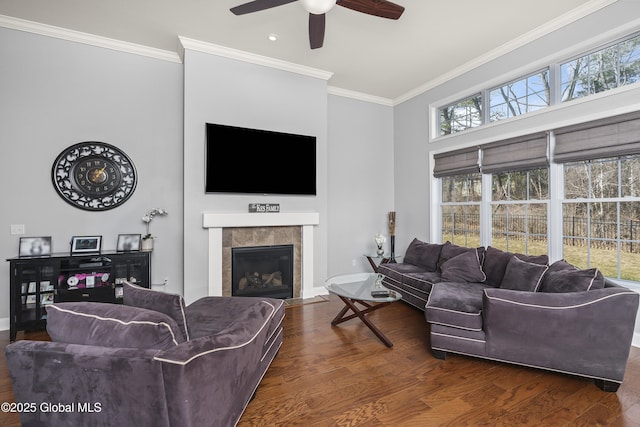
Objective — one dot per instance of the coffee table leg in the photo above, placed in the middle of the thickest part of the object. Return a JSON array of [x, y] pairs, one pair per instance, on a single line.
[[361, 314]]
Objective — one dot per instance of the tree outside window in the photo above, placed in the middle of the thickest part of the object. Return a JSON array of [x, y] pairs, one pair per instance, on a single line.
[[519, 211], [461, 115], [601, 215], [599, 71]]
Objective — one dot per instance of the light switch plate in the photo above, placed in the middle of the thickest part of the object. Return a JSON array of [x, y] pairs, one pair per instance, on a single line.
[[17, 229]]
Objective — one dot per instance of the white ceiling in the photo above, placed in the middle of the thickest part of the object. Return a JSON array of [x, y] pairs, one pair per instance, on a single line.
[[366, 54]]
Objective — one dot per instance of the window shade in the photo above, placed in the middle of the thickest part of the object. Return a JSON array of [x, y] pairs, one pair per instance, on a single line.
[[456, 162], [520, 153], [610, 137]]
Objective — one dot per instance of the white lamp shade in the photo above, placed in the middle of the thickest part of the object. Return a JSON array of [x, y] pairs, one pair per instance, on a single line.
[[318, 7]]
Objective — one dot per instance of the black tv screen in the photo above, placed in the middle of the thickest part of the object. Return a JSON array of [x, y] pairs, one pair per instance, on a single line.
[[252, 161]]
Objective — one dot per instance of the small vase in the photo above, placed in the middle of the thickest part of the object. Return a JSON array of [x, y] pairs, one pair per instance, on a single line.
[[380, 252], [147, 244]]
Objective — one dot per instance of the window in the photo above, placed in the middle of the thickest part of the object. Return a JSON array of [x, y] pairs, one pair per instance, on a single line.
[[608, 68], [605, 69], [601, 214], [460, 209], [523, 96], [461, 115], [519, 211]]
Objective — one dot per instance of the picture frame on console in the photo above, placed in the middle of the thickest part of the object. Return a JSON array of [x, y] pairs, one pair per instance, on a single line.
[[34, 247], [86, 245], [128, 242]]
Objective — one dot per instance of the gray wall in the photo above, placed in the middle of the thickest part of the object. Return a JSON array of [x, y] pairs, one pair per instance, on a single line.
[[237, 93], [55, 93], [360, 179]]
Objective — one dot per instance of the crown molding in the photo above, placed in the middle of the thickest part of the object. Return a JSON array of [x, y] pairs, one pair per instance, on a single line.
[[204, 47], [85, 38], [331, 90], [587, 9]]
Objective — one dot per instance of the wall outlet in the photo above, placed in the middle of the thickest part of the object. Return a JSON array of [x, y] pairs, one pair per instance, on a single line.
[[166, 281], [17, 229]]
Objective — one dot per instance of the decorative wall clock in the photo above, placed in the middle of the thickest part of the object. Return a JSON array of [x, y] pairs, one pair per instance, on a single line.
[[94, 176]]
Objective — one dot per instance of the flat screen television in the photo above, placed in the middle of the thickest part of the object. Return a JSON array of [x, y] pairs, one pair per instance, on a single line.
[[253, 161]]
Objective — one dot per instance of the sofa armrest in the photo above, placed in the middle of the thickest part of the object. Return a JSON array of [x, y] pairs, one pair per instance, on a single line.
[[584, 333], [101, 385]]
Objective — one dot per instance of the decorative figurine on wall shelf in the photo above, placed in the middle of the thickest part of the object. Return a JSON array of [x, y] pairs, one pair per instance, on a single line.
[[147, 239]]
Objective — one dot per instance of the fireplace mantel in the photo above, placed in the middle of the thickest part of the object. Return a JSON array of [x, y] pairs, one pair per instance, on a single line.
[[215, 222]]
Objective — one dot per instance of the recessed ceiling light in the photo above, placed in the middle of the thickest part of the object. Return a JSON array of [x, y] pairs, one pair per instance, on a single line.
[[273, 37]]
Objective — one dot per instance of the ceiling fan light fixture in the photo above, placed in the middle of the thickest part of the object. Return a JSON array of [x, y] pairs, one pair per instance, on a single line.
[[318, 7]]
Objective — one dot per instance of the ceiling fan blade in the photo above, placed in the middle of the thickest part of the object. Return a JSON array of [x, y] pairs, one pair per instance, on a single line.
[[316, 30], [258, 5], [381, 8]]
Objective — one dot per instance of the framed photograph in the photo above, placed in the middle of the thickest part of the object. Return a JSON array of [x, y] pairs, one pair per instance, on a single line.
[[128, 242], [35, 246], [45, 286], [46, 299], [86, 244]]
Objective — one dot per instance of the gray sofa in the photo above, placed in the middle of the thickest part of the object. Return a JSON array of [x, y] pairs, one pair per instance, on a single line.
[[149, 362], [488, 303]]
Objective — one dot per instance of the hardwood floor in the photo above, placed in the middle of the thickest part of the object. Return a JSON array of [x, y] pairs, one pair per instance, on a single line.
[[344, 376]]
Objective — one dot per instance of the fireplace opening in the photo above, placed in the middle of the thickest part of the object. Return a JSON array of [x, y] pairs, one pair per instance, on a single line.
[[265, 271]]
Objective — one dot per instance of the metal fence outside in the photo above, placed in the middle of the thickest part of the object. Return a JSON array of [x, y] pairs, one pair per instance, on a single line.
[[577, 231]]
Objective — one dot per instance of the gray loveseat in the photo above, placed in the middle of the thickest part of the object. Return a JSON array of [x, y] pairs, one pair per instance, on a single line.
[[149, 362], [514, 308]]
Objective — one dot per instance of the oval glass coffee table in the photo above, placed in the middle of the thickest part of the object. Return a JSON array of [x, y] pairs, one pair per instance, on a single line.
[[357, 288]]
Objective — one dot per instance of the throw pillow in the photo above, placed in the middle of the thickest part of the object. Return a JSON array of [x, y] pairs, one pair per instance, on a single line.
[[496, 261], [170, 304], [522, 275], [450, 250], [463, 268], [423, 254], [572, 280], [111, 325], [561, 265]]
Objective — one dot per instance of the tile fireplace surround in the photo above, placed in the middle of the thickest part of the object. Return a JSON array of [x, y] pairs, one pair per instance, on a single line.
[[217, 222]]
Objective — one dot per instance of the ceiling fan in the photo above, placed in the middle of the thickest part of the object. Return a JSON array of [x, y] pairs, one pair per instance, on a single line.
[[318, 8]]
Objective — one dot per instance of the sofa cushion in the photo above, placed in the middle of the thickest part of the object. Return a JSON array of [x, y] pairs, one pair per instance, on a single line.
[[170, 304], [111, 325], [423, 281], [561, 265], [522, 275], [423, 254], [463, 268], [496, 260], [397, 271], [450, 250], [215, 315], [572, 280], [456, 304]]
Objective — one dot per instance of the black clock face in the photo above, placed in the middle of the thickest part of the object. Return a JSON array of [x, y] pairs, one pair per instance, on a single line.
[[94, 176]]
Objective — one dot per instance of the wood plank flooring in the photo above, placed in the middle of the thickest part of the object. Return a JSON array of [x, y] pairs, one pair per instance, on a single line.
[[344, 376]]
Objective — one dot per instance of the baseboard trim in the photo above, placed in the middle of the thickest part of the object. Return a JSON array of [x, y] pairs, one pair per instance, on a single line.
[[4, 324]]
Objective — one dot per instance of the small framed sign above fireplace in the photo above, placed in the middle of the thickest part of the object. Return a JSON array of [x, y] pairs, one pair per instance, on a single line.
[[264, 207]]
